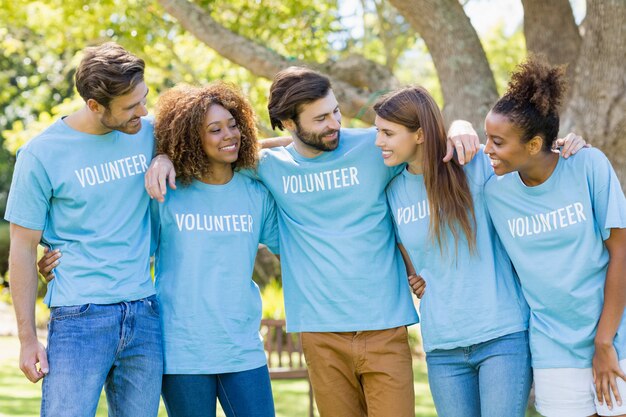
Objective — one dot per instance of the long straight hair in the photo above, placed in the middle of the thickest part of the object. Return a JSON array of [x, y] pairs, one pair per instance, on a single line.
[[449, 197]]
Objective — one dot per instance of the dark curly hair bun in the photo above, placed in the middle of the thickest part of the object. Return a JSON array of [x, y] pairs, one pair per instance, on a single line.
[[532, 100], [536, 82]]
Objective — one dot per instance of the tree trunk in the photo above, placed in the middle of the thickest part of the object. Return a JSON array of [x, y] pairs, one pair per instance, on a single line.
[[550, 30], [264, 62], [597, 109], [469, 89]]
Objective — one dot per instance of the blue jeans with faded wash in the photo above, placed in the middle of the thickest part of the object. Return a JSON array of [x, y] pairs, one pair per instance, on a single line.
[[488, 379], [115, 346]]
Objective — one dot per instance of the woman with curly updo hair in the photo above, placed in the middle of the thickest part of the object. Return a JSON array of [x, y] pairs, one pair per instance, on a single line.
[[206, 235], [180, 126], [563, 223]]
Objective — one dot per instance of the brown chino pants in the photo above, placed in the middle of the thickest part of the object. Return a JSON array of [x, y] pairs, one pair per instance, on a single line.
[[359, 374]]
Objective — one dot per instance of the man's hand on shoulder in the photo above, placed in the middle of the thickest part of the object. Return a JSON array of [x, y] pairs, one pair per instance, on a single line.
[[160, 173]]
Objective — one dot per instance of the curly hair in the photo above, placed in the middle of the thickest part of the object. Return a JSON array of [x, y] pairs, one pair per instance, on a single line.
[[180, 117], [532, 99]]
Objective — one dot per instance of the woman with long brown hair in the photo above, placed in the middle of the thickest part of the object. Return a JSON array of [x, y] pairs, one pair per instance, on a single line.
[[473, 316]]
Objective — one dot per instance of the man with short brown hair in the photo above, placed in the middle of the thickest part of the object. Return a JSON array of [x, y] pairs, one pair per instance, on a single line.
[[344, 281], [78, 188]]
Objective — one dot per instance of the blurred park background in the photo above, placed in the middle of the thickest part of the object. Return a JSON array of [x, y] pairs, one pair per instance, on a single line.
[[462, 51]]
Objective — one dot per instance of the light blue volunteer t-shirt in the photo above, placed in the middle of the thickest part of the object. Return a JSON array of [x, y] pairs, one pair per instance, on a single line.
[[554, 234], [341, 268], [469, 298], [86, 192], [207, 239]]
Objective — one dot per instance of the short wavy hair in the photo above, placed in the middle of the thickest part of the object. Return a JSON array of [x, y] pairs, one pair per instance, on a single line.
[[291, 89], [180, 117], [108, 71]]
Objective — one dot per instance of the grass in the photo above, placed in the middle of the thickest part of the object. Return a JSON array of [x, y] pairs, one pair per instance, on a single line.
[[19, 397]]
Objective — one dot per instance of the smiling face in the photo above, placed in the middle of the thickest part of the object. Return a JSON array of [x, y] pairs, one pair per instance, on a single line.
[[124, 112], [397, 143], [504, 145], [220, 136], [317, 126]]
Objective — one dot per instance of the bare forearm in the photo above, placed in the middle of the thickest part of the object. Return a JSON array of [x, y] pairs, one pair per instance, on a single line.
[[24, 290], [275, 142], [614, 297], [410, 270]]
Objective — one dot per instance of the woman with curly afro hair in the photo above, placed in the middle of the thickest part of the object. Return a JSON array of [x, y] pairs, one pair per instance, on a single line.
[[206, 235], [563, 224]]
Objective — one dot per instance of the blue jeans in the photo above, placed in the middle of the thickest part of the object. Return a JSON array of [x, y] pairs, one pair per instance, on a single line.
[[241, 394], [489, 379], [117, 346]]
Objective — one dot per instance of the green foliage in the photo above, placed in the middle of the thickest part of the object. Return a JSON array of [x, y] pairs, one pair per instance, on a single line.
[[42, 314], [41, 43], [5, 294], [417, 67], [415, 340], [299, 29], [4, 250], [386, 34], [504, 52], [273, 304]]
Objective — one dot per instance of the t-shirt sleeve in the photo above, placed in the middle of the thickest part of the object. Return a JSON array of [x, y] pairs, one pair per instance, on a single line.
[[396, 232], [155, 225], [393, 171], [389, 195], [486, 164], [269, 230], [30, 194], [149, 124], [250, 173], [609, 203]]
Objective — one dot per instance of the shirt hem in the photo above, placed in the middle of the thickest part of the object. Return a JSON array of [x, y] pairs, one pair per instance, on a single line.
[[219, 370], [108, 300], [577, 365], [586, 365], [428, 347], [361, 327], [24, 223]]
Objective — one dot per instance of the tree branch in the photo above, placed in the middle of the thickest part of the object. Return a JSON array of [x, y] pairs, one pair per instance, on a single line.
[[468, 86], [263, 61]]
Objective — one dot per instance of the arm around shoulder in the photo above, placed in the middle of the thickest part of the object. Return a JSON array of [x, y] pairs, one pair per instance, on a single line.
[[275, 142], [160, 174], [463, 139]]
